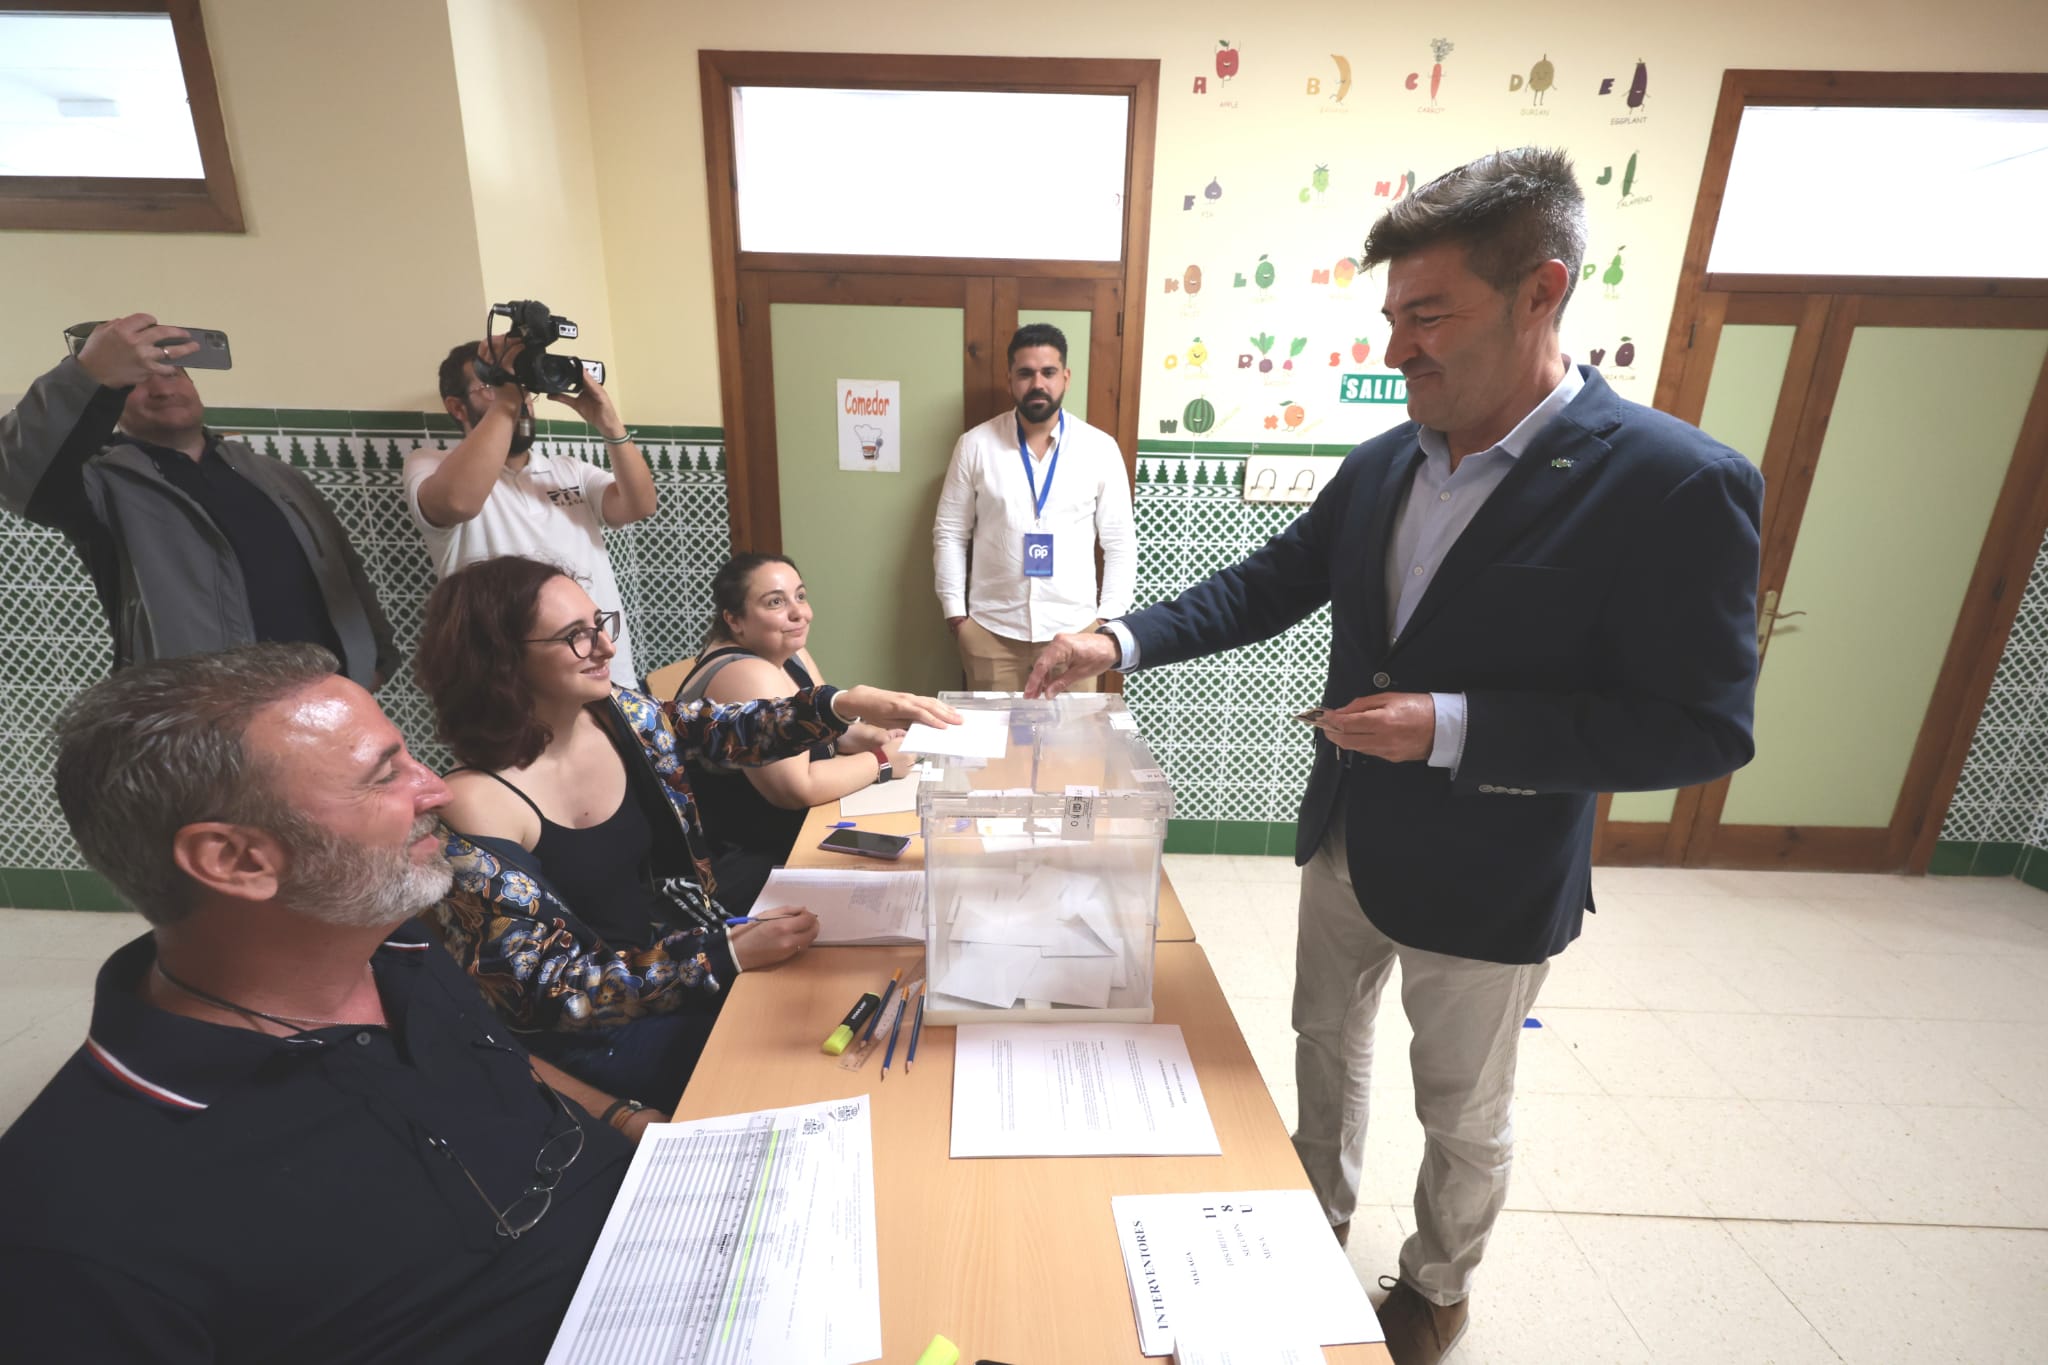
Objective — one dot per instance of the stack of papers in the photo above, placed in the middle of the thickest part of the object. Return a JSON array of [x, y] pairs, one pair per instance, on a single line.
[[743, 1238], [852, 907], [1047, 935], [1078, 1090], [1241, 1266]]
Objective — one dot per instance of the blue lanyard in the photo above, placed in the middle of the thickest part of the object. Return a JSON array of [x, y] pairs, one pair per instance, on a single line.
[[1039, 495]]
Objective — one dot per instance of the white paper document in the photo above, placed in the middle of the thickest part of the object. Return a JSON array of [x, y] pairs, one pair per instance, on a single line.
[[852, 907], [881, 798], [1238, 1266], [1077, 1090], [980, 734], [736, 1239]]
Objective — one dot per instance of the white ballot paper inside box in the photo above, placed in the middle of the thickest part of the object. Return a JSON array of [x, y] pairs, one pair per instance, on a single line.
[[745, 1238], [1239, 1263], [1077, 1090]]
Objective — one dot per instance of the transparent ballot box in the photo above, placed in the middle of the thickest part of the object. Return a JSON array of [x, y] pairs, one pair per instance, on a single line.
[[1042, 864]]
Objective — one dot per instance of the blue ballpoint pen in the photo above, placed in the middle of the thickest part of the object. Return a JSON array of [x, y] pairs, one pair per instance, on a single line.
[[916, 1028], [887, 993], [889, 1053]]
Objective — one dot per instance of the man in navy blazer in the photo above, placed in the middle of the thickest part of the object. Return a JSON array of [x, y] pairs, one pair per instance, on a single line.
[[1539, 592]]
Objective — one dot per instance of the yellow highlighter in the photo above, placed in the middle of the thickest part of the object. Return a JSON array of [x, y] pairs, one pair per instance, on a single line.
[[867, 1007], [940, 1352]]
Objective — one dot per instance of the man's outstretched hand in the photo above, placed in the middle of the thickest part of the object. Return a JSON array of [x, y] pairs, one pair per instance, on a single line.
[[1070, 659]]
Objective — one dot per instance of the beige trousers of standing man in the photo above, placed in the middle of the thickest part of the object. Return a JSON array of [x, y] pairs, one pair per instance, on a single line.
[[1467, 1016], [996, 663]]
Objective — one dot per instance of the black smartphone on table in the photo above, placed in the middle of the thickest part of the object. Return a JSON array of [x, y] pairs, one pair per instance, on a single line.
[[865, 843]]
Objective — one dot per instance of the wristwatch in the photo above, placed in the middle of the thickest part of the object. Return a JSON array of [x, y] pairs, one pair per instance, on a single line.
[[884, 772], [628, 1107]]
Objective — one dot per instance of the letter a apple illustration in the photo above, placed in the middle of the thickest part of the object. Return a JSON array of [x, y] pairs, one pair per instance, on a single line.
[[1226, 59]]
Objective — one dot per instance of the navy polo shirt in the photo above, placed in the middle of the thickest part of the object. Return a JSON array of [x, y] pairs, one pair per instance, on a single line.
[[186, 1191], [285, 601]]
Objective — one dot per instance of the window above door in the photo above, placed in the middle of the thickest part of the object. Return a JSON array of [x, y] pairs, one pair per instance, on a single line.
[[948, 173]]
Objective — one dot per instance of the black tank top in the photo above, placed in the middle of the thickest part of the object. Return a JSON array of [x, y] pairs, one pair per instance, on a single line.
[[735, 814], [602, 872]]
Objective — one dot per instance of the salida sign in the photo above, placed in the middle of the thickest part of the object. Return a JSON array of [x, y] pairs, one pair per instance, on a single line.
[[1373, 388]]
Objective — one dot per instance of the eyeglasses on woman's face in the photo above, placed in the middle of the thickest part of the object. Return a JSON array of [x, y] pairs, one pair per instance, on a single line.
[[579, 638]]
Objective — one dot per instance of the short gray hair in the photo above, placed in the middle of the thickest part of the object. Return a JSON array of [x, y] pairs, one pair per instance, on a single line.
[[157, 747], [1511, 211]]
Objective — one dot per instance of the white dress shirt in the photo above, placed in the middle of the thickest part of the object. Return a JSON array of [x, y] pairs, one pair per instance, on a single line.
[[1440, 504], [987, 504]]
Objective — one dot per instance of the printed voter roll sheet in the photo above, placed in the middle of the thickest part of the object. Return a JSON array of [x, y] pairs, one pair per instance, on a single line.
[[1077, 1090], [980, 734], [1249, 1263], [745, 1238], [852, 907]]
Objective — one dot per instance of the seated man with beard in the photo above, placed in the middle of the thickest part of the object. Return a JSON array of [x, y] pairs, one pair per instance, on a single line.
[[294, 1131]]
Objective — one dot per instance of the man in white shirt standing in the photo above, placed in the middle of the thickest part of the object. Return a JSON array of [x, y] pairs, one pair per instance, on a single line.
[[493, 494], [1033, 492]]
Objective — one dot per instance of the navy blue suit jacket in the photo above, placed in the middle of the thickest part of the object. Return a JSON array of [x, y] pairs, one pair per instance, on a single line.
[[1599, 614]]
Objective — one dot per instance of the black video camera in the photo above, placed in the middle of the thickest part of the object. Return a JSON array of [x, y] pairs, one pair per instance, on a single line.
[[533, 369]]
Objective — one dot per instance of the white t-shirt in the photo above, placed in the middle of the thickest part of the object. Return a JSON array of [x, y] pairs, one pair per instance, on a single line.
[[551, 509]]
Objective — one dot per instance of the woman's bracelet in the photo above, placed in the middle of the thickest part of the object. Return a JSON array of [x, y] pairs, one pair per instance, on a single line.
[[628, 1107]]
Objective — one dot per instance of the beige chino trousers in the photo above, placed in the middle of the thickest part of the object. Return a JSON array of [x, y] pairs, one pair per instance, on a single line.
[[1467, 1016]]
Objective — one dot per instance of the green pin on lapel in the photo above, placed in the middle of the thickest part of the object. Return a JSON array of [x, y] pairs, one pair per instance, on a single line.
[[1560, 463]]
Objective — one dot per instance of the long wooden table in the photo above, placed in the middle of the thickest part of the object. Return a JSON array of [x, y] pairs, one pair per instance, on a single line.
[[1015, 1260], [1173, 916]]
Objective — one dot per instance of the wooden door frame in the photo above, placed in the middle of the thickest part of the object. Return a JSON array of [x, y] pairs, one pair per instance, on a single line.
[[2005, 559], [1704, 302], [754, 510], [1740, 89]]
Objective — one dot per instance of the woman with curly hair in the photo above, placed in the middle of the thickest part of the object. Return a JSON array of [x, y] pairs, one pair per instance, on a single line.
[[585, 900]]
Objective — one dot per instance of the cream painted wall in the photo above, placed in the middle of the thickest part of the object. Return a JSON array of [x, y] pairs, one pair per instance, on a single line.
[[361, 251], [641, 60], [519, 71]]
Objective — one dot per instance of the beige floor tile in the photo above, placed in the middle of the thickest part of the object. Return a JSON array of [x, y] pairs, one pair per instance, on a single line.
[[1537, 1301], [1922, 1164], [1998, 1277], [1634, 1052], [1673, 978], [1848, 983], [1580, 980], [67, 933], [2010, 1058], [1658, 881], [1584, 1154], [1870, 1298], [1814, 1057], [1546, 1065], [1189, 869], [1693, 1294], [1963, 986], [1741, 1164], [1272, 871], [1374, 1244], [1920, 927]]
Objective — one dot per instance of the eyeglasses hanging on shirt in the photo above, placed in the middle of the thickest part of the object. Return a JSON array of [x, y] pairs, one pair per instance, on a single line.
[[1038, 545]]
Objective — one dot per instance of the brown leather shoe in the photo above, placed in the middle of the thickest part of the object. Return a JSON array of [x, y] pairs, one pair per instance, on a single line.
[[1343, 1231], [1418, 1331]]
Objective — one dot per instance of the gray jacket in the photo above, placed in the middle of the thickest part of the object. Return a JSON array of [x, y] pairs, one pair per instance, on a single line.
[[166, 576]]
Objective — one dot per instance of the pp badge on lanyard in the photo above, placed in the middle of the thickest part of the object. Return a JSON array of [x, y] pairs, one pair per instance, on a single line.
[[1038, 545]]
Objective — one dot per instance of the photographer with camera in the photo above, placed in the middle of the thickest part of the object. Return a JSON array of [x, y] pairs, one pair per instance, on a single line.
[[195, 542], [494, 494]]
